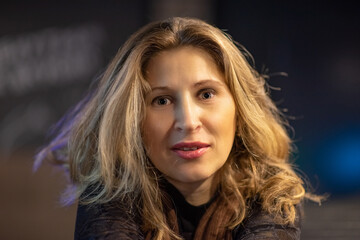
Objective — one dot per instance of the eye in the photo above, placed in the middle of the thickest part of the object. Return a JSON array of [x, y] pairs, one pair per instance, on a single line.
[[207, 94], [161, 101]]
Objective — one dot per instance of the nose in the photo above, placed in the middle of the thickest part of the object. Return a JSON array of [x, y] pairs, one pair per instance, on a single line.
[[187, 115]]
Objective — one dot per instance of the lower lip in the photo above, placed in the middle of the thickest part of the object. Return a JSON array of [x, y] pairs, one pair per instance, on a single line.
[[191, 154]]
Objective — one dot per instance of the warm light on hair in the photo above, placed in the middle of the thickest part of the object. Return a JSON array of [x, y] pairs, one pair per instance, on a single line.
[[102, 140]]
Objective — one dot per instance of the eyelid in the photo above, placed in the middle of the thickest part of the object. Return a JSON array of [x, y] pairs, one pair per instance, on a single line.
[[153, 101], [211, 90]]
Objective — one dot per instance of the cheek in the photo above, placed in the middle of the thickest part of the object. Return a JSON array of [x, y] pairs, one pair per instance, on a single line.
[[155, 129], [154, 137], [224, 121], [224, 125]]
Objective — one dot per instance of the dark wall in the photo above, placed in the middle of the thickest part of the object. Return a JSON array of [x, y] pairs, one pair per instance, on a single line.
[[317, 43], [50, 51]]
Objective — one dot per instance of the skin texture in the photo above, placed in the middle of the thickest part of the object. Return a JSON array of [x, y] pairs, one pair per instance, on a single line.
[[189, 102]]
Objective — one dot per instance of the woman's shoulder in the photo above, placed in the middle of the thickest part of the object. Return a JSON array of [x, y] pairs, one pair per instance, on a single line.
[[261, 225], [112, 220]]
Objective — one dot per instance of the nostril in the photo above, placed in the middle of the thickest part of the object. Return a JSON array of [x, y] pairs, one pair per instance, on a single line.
[[189, 125]]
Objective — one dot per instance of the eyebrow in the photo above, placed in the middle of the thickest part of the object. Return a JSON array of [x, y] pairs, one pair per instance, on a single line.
[[159, 88], [197, 84], [204, 82]]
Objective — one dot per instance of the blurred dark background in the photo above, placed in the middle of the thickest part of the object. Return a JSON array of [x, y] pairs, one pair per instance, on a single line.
[[50, 51]]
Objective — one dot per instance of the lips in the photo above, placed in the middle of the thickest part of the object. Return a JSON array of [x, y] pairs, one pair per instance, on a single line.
[[190, 150]]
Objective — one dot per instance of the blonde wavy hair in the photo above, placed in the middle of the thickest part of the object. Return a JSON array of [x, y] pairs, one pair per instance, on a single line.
[[101, 140]]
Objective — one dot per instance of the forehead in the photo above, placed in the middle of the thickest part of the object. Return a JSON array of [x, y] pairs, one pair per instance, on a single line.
[[187, 63]]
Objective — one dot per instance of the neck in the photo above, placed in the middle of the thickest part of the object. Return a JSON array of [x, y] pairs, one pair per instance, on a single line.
[[196, 193]]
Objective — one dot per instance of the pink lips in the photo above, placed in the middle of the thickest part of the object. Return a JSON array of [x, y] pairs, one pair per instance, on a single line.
[[190, 150]]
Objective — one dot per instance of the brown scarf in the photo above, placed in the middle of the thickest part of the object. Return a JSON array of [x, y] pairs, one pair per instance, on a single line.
[[212, 225]]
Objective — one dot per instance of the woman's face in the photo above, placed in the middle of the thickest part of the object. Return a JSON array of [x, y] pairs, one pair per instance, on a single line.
[[190, 116]]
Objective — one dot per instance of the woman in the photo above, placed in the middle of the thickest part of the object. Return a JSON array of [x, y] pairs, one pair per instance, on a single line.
[[179, 140]]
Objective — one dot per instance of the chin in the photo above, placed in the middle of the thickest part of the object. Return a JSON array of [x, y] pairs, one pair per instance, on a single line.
[[193, 177]]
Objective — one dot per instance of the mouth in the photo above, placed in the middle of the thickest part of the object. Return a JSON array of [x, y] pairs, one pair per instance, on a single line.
[[190, 150]]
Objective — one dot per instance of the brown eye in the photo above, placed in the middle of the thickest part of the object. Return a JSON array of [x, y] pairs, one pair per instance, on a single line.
[[161, 101], [207, 94]]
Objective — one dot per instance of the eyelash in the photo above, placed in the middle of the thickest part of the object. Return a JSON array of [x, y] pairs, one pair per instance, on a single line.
[[169, 99], [208, 90], [157, 99]]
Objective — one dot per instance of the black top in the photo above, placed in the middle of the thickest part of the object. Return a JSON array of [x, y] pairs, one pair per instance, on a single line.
[[188, 216], [112, 221]]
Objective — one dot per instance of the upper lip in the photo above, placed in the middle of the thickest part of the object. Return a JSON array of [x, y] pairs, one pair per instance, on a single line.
[[189, 145]]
